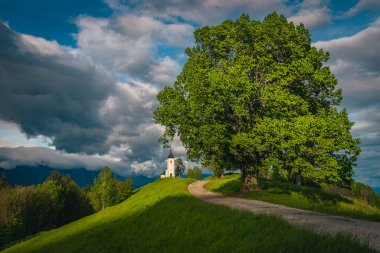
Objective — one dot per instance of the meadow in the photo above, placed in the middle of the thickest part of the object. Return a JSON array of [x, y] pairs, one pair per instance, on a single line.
[[164, 217]]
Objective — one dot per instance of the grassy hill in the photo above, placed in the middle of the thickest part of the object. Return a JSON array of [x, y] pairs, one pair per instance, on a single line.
[[164, 217], [309, 198]]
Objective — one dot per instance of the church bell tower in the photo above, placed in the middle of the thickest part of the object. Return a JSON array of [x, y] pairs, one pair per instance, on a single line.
[[170, 167]]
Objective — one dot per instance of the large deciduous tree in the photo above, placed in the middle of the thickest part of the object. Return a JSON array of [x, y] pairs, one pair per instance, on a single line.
[[256, 96]]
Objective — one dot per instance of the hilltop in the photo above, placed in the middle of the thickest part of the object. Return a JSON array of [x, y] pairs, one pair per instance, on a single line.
[[164, 217]]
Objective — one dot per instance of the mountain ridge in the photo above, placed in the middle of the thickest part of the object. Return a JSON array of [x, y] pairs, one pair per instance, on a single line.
[[33, 175]]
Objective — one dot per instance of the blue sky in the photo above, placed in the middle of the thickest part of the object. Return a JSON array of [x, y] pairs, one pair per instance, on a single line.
[[90, 71]]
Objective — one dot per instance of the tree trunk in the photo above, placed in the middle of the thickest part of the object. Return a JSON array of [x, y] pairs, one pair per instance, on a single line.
[[251, 183], [298, 180]]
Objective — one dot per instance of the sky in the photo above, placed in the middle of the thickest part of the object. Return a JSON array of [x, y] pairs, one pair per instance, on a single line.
[[79, 79]]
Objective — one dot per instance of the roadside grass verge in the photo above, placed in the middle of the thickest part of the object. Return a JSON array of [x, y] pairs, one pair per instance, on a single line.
[[302, 197], [164, 217]]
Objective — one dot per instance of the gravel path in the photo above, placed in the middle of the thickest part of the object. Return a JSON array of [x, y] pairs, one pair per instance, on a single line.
[[365, 230]]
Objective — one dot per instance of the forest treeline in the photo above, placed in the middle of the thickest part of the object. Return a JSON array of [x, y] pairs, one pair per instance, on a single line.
[[26, 210]]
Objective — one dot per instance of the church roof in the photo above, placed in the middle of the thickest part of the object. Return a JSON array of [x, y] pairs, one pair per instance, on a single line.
[[170, 154]]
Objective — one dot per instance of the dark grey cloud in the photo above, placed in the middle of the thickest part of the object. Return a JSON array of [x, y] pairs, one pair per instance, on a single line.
[[49, 92], [130, 112], [55, 92]]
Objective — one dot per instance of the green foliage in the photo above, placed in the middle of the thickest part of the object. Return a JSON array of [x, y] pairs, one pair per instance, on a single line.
[[256, 96], [365, 193], [137, 225], [104, 192], [14, 213], [190, 173], [55, 202], [179, 167], [59, 201], [229, 185], [124, 189], [325, 200], [197, 173], [108, 191], [4, 182], [28, 210]]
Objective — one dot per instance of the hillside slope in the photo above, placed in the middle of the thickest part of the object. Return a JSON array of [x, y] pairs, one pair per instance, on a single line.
[[163, 217]]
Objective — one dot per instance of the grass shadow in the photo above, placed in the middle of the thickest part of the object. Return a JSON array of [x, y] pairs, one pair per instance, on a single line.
[[311, 193], [231, 187], [185, 224]]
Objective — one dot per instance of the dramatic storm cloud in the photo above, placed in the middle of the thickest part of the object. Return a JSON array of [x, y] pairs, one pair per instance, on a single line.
[[51, 91], [47, 91]]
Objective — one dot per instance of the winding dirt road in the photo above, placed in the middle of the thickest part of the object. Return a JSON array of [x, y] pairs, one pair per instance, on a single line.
[[366, 231]]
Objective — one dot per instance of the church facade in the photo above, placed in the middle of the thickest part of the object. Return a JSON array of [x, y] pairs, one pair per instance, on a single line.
[[170, 166]]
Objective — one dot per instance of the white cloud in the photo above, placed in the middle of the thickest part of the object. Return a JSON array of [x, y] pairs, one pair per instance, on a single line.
[[11, 157], [35, 156], [311, 17], [362, 49], [41, 46], [165, 71], [134, 26], [126, 43], [361, 5], [144, 167], [111, 48], [355, 62], [206, 12], [312, 13]]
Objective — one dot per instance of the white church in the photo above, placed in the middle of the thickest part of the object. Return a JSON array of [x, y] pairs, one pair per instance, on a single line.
[[170, 166]]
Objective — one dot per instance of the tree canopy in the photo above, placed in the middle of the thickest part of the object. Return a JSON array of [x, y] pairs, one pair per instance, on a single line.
[[108, 191], [256, 96]]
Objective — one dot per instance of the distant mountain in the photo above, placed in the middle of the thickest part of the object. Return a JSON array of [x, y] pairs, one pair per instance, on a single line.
[[32, 175]]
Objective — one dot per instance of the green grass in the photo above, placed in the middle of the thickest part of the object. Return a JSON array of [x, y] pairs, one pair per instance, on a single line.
[[302, 197], [164, 217]]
